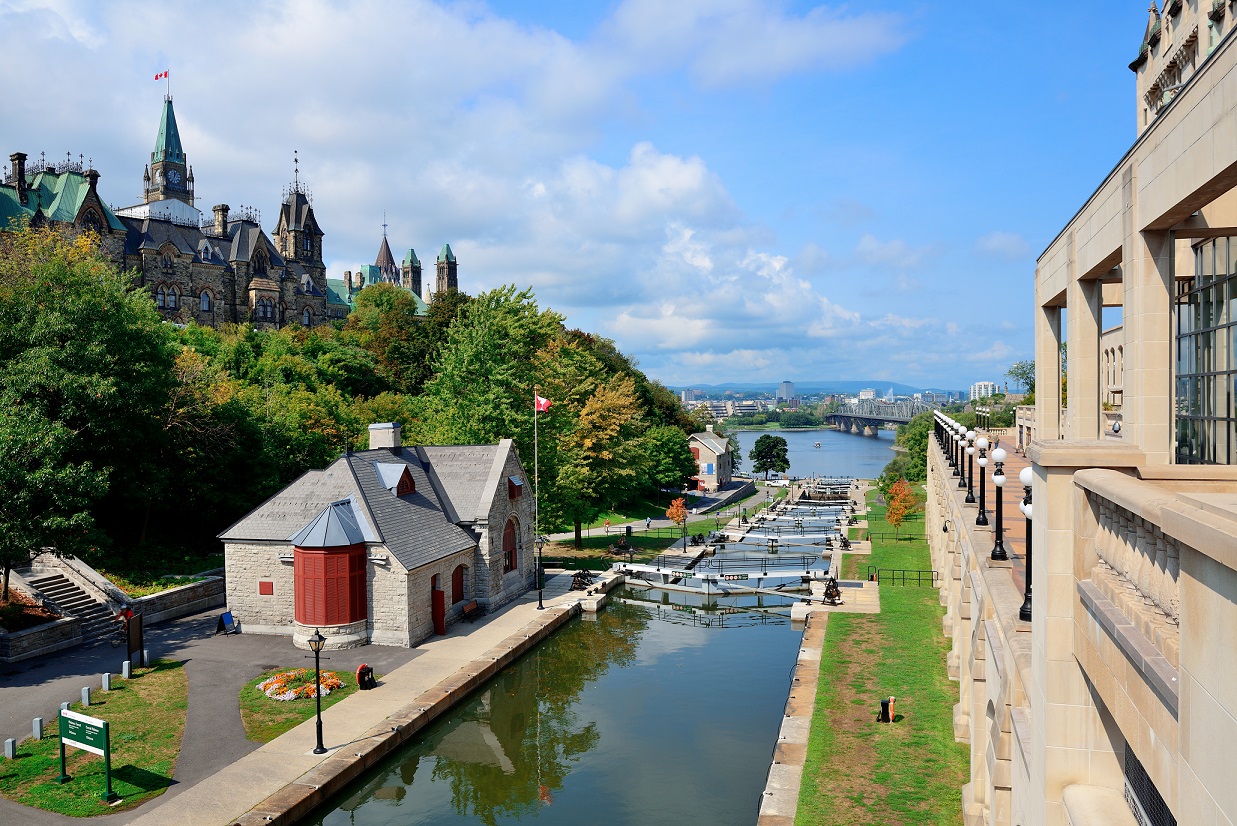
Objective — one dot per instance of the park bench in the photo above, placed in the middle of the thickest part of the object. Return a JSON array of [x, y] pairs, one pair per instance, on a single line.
[[472, 610]]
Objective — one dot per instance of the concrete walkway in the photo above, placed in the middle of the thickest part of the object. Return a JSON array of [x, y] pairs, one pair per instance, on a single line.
[[709, 508], [220, 775]]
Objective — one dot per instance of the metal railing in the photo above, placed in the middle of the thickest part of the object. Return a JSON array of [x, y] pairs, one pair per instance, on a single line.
[[903, 576]]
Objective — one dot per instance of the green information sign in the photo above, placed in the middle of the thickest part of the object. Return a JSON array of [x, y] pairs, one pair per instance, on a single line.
[[89, 734]]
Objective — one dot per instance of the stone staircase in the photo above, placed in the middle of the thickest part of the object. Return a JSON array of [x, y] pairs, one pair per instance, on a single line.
[[96, 618]]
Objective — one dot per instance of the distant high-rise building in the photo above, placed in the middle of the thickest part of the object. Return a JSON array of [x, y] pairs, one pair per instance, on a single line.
[[984, 389], [786, 391], [867, 394]]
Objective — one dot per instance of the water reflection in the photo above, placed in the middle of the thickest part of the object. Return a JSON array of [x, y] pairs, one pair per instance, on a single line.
[[505, 752]]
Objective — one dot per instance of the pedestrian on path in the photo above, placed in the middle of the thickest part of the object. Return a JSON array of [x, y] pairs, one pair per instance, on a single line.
[[648, 522], [607, 526]]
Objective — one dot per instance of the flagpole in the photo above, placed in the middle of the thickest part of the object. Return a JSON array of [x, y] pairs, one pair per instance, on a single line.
[[538, 542]]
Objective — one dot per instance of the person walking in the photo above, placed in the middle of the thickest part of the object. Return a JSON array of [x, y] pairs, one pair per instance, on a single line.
[[648, 522]]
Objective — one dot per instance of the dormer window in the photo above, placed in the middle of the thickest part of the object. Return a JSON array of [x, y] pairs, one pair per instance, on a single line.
[[406, 485], [515, 487], [395, 477], [166, 261], [307, 243]]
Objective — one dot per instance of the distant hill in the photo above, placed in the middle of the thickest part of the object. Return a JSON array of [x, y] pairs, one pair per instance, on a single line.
[[805, 387]]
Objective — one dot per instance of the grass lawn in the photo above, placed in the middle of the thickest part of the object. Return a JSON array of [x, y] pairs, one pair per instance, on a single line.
[[147, 720], [265, 719], [163, 570], [910, 772]]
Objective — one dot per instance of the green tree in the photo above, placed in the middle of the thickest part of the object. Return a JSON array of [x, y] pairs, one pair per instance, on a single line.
[[1022, 373], [671, 462], [769, 454], [45, 497]]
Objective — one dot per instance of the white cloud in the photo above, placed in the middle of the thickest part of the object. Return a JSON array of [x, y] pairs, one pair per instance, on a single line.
[[1007, 245], [894, 253]]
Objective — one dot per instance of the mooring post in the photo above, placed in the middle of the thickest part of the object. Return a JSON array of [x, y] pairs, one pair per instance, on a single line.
[[126, 669], [106, 681], [85, 695], [36, 728], [10, 749]]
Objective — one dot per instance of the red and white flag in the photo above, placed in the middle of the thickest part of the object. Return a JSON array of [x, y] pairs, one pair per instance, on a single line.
[[161, 75], [542, 404]]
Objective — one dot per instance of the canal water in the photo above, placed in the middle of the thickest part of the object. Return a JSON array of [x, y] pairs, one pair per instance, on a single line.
[[659, 712], [839, 454]]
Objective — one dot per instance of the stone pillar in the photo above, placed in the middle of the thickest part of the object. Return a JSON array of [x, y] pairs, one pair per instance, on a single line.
[[1146, 376], [1083, 358], [1048, 373]]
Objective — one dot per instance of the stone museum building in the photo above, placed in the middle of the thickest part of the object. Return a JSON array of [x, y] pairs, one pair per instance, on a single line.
[[386, 545], [1116, 702]]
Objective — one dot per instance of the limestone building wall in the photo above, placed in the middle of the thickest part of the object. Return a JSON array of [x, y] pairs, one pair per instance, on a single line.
[[495, 588], [245, 566]]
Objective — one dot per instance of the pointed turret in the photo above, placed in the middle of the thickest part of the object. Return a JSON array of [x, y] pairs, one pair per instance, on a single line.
[[448, 278], [386, 262], [410, 272], [168, 173]]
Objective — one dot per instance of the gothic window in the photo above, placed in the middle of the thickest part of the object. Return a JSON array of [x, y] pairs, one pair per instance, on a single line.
[[283, 313], [173, 295], [259, 265], [306, 317], [205, 301], [166, 261], [510, 562], [91, 222], [308, 242], [457, 584], [161, 297]]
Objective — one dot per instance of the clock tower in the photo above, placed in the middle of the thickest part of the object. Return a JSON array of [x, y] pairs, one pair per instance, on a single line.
[[168, 177]]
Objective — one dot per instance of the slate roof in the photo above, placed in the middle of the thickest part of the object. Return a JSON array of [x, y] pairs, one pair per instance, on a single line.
[[385, 260], [468, 474], [715, 443], [417, 528], [151, 234], [296, 213]]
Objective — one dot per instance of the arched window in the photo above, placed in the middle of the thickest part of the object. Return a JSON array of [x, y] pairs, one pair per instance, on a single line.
[[457, 584], [308, 242], [283, 312], [259, 264], [204, 300], [166, 261], [161, 297], [173, 298], [91, 222], [306, 317], [510, 563]]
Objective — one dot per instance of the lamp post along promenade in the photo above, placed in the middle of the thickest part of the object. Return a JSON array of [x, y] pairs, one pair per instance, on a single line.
[[981, 444], [1026, 477], [998, 479], [970, 464], [315, 644]]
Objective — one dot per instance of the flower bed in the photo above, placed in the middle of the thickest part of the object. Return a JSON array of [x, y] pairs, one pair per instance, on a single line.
[[20, 612], [291, 685]]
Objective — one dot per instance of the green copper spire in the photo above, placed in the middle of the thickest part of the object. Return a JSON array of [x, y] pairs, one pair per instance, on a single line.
[[167, 145], [445, 254]]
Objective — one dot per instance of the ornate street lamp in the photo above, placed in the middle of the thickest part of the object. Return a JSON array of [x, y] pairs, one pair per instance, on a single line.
[[953, 446], [540, 543], [315, 644], [1026, 477], [970, 461], [998, 479], [981, 444], [962, 458]]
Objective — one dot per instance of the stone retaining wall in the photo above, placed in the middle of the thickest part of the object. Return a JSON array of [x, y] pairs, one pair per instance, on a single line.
[[179, 602], [42, 639]]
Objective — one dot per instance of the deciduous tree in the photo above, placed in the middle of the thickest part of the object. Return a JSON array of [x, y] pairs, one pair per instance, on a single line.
[[769, 454]]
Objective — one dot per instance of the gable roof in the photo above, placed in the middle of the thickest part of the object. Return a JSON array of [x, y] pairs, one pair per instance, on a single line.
[[717, 444], [468, 474], [58, 195]]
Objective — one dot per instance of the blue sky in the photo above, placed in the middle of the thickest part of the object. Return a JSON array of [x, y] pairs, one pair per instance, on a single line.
[[734, 190]]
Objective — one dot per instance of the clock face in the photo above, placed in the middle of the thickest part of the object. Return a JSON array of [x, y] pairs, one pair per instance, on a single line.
[[173, 176]]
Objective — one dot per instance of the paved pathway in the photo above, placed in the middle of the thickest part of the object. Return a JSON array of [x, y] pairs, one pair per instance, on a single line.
[[215, 770]]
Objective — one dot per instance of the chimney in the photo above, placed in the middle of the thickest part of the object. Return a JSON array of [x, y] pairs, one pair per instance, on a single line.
[[18, 159], [92, 177], [384, 434], [221, 219]]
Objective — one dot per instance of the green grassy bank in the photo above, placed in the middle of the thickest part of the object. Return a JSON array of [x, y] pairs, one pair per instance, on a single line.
[[862, 772]]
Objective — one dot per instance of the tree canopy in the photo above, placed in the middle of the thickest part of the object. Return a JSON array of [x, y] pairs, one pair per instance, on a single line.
[[769, 453]]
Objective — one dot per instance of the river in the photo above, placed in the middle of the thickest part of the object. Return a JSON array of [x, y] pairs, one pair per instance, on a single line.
[[839, 454]]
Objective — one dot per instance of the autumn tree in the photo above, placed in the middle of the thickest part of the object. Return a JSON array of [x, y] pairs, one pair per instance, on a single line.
[[677, 513], [900, 504]]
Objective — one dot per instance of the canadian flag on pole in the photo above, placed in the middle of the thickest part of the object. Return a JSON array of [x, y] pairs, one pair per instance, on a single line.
[[542, 404], [161, 75]]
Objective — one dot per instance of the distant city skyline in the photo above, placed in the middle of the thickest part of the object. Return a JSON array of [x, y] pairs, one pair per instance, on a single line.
[[724, 189]]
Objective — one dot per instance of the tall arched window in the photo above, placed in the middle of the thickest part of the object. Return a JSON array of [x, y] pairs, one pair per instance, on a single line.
[[457, 584], [161, 296], [259, 264], [204, 300], [306, 317], [308, 242], [510, 563]]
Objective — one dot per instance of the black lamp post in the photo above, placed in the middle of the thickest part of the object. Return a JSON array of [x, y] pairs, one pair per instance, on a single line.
[[961, 457], [970, 462], [1024, 613], [315, 644], [998, 479], [953, 447], [540, 543], [981, 444]]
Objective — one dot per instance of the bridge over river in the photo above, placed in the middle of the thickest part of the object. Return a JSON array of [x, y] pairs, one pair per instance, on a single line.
[[867, 415]]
